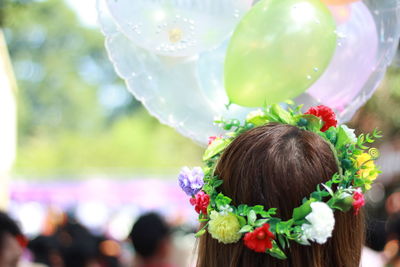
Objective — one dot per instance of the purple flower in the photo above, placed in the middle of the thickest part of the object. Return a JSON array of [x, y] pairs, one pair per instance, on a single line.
[[191, 181]]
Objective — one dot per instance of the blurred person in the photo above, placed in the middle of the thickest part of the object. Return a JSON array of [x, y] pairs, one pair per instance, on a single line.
[[375, 234], [72, 245], [392, 247], [45, 250], [78, 247], [12, 242], [151, 239]]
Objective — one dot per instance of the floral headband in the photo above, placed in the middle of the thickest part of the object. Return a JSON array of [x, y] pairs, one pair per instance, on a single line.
[[313, 220]]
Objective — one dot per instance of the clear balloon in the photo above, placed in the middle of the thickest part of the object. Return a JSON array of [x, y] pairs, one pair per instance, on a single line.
[[386, 14], [357, 67], [353, 62], [177, 27], [275, 50], [188, 93]]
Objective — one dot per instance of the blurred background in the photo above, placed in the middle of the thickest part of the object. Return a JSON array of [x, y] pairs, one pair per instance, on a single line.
[[76, 146]]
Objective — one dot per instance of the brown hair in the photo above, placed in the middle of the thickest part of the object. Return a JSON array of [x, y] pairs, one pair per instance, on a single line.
[[277, 166]]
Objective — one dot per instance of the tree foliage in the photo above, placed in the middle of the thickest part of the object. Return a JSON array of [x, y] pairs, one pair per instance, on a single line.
[[74, 112]]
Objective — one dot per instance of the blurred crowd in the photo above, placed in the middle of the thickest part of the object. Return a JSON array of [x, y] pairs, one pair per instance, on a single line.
[[383, 234], [153, 239], [152, 242]]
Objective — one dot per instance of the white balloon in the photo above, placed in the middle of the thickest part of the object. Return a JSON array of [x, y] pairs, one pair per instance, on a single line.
[[177, 27], [168, 87], [187, 93], [357, 68]]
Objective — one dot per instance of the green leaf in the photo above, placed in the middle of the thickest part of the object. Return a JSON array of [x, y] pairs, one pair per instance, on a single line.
[[222, 200], [200, 233], [215, 148], [260, 222], [252, 217], [344, 204], [276, 252], [314, 123], [344, 136], [243, 210], [258, 209], [257, 118], [217, 183], [273, 222], [327, 188], [246, 229], [302, 211], [269, 213], [303, 242], [283, 115], [282, 241], [331, 135], [377, 134], [242, 221], [284, 227]]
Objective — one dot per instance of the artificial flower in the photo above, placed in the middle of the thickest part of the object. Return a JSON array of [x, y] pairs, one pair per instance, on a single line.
[[320, 223], [326, 114], [200, 202], [368, 170], [224, 210], [224, 228], [191, 181], [260, 239], [358, 201]]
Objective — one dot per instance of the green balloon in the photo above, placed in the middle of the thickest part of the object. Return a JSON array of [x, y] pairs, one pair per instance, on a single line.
[[279, 49]]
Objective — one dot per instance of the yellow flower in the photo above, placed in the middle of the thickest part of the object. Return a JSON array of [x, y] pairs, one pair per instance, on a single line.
[[225, 228], [369, 171]]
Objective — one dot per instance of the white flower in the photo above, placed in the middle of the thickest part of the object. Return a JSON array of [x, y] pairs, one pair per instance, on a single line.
[[224, 210], [350, 133], [321, 223]]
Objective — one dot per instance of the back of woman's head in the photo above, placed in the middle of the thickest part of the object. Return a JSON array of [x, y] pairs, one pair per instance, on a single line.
[[277, 166], [148, 233]]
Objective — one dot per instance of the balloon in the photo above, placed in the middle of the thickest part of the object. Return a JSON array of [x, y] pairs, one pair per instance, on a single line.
[[339, 2], [276, 49], [353, 61], [177, 27], [189, 93]]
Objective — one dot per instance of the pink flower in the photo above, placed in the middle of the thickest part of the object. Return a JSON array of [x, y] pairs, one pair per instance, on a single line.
[[260, 239], [326, 114], [358, 201], [200, 202]]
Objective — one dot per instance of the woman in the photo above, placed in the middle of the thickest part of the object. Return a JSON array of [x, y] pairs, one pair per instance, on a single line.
[[279, 165]]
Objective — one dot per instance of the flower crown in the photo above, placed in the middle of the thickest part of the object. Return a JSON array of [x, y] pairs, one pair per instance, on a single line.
[[313, 220]]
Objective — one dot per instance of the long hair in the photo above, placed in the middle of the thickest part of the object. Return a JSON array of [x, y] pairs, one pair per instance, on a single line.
[[277, 165]]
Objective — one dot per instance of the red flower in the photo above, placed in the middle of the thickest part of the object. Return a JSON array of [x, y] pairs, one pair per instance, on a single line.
[[260, 239], [211, 139], [358, 201], [326, 114], [200, 202]]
